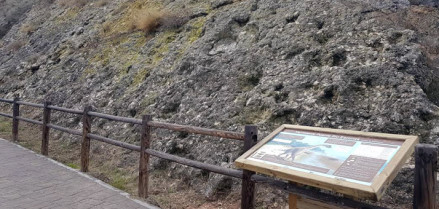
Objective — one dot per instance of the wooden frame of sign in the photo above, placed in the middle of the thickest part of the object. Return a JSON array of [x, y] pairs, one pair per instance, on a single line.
[[372, 190]]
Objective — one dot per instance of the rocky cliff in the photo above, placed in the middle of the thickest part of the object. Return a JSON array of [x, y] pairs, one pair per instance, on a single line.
[[362, 65]]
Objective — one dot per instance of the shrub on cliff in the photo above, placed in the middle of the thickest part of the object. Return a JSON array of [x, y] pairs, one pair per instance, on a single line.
[[150, 20], [16, 45], [28, 28], [73, 3]]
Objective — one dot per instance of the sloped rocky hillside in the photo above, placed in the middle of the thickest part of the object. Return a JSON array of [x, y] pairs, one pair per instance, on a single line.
[[362, 65]]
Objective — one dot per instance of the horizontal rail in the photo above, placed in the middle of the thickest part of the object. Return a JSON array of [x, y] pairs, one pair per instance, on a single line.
[[163, 125], [6, 115], [184, 161], [196, 164], [6, 100], [67, 130], [116, 118], [30, 120], [114, 142], [311, 194], [197, 130], [175, 127], [30, 104], [67, 110]]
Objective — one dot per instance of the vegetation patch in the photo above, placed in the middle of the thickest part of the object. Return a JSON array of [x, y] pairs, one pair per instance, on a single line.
[[102, 3], [249, 80], [147, 17], [28, 28], [68, 15], [73, 165], [253, 115], [72, 3], [162, 46], [5, 126], [147, 20], [197, 29], [16, 45], [194, 34], [149, 99], [118, 181], [103, 57], [150, 20], [140, 77], [120, 52], [88, 72], [105, 169]]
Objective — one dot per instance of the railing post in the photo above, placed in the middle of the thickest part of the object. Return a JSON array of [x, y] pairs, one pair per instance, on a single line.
[[425, 177], [46, 129], [248, 186], [15, 114], [85, 144], [144, 157]]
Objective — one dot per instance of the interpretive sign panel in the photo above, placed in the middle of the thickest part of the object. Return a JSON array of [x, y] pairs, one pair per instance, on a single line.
[[355, 163]]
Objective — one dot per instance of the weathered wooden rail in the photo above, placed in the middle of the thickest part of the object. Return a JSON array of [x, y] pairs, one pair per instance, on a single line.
[[425, 167]]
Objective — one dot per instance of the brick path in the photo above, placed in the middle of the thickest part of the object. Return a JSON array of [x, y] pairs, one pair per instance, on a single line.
[[28, 180]]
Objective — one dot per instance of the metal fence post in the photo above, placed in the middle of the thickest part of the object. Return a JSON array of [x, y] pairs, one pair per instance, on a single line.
[[46, 129], [145, 139], [85, 144], [248, 186], [425, 177], [15, 114]]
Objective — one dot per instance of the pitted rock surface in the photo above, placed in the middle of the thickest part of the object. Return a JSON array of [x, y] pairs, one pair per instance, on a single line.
[[362, 65]]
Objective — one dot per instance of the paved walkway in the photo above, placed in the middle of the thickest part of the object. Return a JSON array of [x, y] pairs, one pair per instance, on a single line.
[[29, 180]]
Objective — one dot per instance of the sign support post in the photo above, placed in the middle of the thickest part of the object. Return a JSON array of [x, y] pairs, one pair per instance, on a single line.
[[292, 200], [425, 177]]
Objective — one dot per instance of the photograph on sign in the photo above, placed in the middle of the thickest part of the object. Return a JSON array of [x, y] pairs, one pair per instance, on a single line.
[[355, 157]]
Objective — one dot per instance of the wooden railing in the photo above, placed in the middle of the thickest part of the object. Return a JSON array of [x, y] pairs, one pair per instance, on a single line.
[[249, 137]]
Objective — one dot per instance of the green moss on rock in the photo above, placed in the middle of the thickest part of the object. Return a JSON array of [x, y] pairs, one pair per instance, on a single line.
[[68, 15], [197, 29], [162, 46], [88, 72], [149, 99], [253, 115], [140, 77]]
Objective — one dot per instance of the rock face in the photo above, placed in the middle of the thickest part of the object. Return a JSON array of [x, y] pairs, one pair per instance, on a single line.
[[362, 65], [425, 2], [11, 12]]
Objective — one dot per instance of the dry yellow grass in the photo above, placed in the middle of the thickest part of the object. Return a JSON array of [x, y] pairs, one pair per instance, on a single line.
[[147, 20], [102, 3], [16, 45], [150, 20], [72, 3], [28, 28]]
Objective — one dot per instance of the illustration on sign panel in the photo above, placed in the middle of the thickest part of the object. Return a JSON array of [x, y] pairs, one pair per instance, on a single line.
[[351, 158]]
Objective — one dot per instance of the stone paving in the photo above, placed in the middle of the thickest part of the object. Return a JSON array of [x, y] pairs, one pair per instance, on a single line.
[[29, 180]]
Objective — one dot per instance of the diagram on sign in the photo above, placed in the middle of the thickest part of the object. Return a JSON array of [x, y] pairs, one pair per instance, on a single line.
[[350, 158]]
